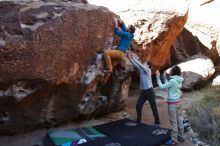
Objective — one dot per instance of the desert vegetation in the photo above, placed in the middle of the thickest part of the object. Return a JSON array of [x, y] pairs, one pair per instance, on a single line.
[[205, 115]]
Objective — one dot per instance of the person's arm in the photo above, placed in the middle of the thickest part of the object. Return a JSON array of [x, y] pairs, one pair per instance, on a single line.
[[165, 85], [121, 33], [146, 69], [160, 84], [116, 22], [135, 64], [122, 25], [165, 77]]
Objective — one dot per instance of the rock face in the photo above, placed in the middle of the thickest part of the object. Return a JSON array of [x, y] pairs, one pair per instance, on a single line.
[[207, 26], [185, 46], [48, 72], [51, 41], [216, 81], [51, 57], [201, 34], [157, 25], [196, 71]]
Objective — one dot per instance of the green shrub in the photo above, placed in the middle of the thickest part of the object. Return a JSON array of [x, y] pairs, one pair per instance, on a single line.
[[204, 115]]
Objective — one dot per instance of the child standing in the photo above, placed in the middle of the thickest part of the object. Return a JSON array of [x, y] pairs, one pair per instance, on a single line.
[[174, 103]]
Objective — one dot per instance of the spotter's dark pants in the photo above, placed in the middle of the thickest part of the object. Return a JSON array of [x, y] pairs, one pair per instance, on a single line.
[[149, 95]]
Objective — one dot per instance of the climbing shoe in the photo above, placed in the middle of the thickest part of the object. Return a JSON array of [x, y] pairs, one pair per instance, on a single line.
[[156, 125], [107, 71]]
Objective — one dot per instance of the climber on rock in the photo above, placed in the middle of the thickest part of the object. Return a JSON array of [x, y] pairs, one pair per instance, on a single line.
[[126, 35]]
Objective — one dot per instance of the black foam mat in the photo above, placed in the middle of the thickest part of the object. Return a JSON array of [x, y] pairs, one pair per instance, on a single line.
[[106, 141], [129, 133], [126, 132]]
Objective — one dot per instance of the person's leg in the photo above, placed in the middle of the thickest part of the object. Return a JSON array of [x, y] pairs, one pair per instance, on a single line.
[[151, 98], [105, 78], [172, 112], [180, 124], [107, 59], [112, 54], [141, 100]]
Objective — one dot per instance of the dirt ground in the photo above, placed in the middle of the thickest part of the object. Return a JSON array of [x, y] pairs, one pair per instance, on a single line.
[[35, 138]]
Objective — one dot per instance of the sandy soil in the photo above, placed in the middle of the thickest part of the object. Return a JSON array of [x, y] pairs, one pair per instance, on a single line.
[[35, 138]]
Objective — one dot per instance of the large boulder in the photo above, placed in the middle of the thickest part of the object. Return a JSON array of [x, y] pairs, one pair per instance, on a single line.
[[185, 46], [51, 70], [201, 34], [157, 25], [216, 81], [52, 41], [196, 71]]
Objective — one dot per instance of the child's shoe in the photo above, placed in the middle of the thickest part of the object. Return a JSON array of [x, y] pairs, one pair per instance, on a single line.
[[156, 125], [170, 142]]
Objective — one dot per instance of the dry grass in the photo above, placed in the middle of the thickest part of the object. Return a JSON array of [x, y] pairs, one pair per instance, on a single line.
[[205, 115]]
